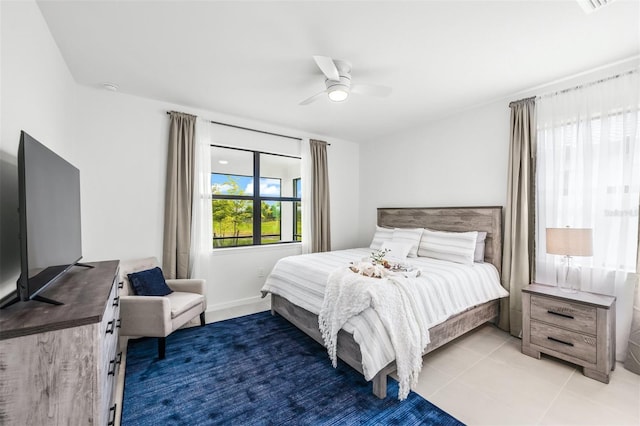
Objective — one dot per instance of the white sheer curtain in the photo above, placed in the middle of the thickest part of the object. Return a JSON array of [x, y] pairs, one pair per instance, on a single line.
[[307, 209], [588, 176], [201, 231]]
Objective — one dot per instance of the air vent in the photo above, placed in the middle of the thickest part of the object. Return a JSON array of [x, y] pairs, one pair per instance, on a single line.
[[590, 6]]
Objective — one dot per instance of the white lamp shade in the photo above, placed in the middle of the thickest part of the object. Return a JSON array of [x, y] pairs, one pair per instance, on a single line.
[[570, 241]]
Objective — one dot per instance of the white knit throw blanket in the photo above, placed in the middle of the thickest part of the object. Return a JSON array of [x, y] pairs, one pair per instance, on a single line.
[[347, 294]]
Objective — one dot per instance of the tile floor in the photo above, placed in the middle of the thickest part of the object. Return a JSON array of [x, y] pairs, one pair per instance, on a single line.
[[483, 379]]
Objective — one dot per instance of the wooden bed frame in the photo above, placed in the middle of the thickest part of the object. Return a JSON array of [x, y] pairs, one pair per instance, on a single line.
[[457, 219]]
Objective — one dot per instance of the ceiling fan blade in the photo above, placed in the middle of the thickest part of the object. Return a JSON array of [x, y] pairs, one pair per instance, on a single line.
[[312, 98], [328, 67], [371, 90]]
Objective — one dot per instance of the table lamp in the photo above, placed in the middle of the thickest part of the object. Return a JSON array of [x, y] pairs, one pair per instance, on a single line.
[[569, 242]]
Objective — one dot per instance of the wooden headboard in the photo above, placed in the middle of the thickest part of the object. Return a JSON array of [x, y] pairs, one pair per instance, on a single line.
[[455, 219]]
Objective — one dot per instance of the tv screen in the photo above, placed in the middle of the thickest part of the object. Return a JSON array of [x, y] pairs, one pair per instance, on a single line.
[[49, 208]]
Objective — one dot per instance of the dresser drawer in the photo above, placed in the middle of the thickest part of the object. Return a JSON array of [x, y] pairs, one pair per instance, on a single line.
[[564, 341], [573, 316], [109, 357]]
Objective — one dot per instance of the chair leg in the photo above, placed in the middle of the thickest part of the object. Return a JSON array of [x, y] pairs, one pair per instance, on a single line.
[[202, 322], [162, 344]]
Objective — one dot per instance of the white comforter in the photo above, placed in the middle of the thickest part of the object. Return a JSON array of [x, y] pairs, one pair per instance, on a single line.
[[444, 289]]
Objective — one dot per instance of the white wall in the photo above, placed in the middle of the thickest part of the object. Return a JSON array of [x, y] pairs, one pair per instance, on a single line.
[[38, 96], [122, 145], [458, 161]]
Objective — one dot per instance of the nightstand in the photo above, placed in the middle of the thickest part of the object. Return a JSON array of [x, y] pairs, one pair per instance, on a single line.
[[576, 327]]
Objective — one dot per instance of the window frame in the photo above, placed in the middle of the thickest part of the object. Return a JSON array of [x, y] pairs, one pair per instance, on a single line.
[[256, 199], [295, 210]]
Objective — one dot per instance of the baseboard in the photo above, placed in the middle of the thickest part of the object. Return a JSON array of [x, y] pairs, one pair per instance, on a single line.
[[237, 308]]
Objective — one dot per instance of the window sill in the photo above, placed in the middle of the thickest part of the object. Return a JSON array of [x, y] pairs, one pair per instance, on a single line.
[[226, 251]]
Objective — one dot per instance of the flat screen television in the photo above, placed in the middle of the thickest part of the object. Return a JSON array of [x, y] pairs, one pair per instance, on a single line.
[[49, 210]]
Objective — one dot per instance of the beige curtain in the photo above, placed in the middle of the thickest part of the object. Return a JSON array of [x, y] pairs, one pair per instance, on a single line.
[[518, 251], [632, 361], [178, 196], [321, 229]]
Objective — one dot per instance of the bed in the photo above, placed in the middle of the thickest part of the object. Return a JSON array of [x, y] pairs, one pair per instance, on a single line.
[[456, 219]]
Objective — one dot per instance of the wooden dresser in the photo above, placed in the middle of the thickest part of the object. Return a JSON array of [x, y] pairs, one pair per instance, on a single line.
[[576, 327], [60, 363]]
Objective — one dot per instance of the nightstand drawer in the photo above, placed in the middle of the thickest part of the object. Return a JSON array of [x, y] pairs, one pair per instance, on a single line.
[[572, 316], [567, 342]]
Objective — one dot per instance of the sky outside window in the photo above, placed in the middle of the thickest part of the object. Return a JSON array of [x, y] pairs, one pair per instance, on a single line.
[[269, 187]]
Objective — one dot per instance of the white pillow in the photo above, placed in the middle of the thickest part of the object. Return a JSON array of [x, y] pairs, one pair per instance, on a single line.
[[409, 236], [478, 255], [381, 235], [397, 251], [456, 247]]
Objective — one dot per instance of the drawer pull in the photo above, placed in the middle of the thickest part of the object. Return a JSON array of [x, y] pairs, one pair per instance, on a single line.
[[561, 315], [116, 301], [110, 326], [553, 339], [118, 323], [121, 285], [112, 415], [113, 364], [112, 367]]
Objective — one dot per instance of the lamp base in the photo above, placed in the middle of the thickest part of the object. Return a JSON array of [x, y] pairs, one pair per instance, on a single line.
[[568, 276]]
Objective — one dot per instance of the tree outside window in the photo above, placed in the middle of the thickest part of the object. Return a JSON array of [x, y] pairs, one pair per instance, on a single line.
[[297, 210]]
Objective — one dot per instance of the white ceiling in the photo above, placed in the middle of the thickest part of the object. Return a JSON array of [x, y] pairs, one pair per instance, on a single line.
[[254, 59]]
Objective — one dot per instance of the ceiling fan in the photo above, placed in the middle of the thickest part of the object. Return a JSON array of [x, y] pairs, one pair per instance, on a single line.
[[338, 82]]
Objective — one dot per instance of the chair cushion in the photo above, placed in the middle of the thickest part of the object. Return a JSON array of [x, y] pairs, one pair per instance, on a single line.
[[149, 283], [182, 302]]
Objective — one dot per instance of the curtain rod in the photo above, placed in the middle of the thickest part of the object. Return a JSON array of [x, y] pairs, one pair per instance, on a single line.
[[570, 89], [521, 101], [249, 129], [592, 83]]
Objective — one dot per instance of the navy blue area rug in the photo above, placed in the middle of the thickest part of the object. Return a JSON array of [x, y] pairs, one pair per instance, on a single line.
[[256, 370]]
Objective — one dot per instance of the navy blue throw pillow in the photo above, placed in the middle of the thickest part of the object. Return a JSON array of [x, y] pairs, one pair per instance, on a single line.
[[149, 283]]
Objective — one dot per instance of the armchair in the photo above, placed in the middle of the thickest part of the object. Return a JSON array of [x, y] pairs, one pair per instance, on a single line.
[[159, 316]]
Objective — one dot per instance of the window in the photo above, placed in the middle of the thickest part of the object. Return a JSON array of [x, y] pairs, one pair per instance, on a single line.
[[254, 197], [591, 182], [588, 176]]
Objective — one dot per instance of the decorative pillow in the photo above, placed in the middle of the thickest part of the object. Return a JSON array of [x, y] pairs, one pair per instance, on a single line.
[[456, 247], [478, 255], [381, 235], [409, 236], [397, 251], [149, 283]]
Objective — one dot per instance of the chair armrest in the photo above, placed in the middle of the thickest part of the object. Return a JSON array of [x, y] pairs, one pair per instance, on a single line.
[[148, 316], [193, 285]]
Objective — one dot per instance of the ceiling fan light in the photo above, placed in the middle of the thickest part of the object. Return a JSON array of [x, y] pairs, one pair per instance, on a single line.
[[338, 94]]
